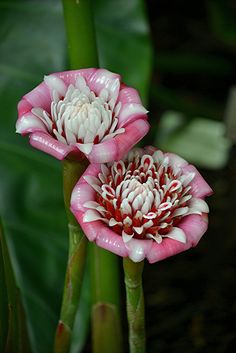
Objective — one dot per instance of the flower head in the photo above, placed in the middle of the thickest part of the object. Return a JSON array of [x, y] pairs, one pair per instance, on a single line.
[[150, 204], [83, 112]]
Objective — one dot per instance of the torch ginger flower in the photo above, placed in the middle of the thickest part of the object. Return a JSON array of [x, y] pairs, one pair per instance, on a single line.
[[150, 204], [83, 112]]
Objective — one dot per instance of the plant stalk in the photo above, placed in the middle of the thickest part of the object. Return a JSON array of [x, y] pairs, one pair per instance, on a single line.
[[106, 323], [135, 305], [81, 37], [72, 170], [82, 49]]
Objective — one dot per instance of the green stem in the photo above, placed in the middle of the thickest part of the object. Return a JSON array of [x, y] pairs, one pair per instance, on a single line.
[[72, 171], [135, 305], [106, 323], [81, 36]]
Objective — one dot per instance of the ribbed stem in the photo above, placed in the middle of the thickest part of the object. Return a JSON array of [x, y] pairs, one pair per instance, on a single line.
[[106, 323], [135, 305], [72, 171]]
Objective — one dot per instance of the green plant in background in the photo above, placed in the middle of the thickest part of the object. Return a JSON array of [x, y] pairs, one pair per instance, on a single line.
[[34, 230]]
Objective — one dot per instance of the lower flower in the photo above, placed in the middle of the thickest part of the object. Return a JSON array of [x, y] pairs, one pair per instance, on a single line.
[[150, 204]]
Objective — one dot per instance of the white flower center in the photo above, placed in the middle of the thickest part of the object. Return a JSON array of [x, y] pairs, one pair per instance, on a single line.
[[143, 197], [81, 116]]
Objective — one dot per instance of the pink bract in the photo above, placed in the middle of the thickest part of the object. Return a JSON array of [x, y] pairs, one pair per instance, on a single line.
[[148, 205], [83, 112]]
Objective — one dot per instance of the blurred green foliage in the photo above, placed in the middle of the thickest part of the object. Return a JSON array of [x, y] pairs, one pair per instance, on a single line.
[[33, 44]]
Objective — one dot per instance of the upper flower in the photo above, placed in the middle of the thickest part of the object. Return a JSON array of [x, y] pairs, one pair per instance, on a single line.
[[86, 111], [150, 204]]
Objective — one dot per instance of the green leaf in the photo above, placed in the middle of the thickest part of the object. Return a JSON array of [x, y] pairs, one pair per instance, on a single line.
[[33, 44], [222, 20], [188, 63], [186, 102], [14, 332], [123, 41], [200, 141], [3, 301]]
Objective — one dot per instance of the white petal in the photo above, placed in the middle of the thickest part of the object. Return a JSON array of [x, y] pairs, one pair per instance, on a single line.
[[186, 179], [157, 238], [94, 205], [126, 237], [81, 84], [125, 207], [180, 211], [86, 148], [92, 215], [136, 251], [176, 234], [158, 156], [104, 94], [138, 230], [127, 221], [150, 215], [92, 180], [113, 222], [199, 205], [59, 137], [55, 83]]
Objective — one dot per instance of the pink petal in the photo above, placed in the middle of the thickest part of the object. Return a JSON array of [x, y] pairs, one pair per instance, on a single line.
[[28, 123], [149, 150], [200, 188], [129, 95], [130, 112], [23, 107], [115, 148], [91, 229], [104, 237], [194, 226], [102, 78], [69, 77], [134, 132], [176, 160], [82, 193], [104, 152], [109, 240], [46, 143], [39, 97]]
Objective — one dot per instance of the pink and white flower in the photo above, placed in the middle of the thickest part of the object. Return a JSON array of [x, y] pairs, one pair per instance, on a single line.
[[150, 204], [83, 112]]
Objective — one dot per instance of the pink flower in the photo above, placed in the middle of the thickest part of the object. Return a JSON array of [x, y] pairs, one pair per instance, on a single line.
[[150, 204], [83, 112]]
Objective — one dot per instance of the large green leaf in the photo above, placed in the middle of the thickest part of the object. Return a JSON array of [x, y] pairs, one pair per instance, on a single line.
[[13, 327], [33, 44], [123, 41]]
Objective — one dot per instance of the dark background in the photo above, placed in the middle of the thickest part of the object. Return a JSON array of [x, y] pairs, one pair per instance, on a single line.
[[190, 298]]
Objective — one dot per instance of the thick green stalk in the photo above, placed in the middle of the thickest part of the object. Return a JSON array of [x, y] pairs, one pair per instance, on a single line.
[[81, 36], [72, 171], [135, 305], [106, 323]]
